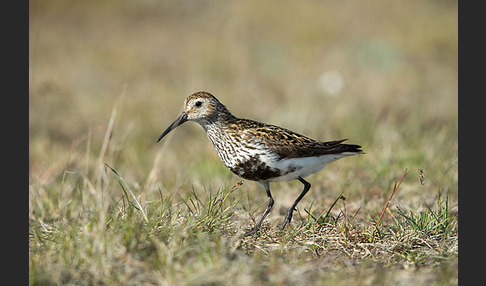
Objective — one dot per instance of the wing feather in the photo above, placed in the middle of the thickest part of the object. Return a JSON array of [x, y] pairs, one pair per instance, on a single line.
[[288, 144]]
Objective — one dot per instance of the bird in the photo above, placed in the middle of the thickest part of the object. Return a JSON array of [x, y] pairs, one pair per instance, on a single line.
[[260, 152]]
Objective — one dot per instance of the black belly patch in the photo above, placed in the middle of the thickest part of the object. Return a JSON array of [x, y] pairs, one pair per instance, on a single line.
[[255, 170]]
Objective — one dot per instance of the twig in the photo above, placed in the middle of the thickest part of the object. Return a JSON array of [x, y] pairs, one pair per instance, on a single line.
[[395, 188]]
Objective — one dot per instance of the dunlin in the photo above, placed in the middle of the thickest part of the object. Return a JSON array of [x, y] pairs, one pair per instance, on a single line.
[[260, 152]]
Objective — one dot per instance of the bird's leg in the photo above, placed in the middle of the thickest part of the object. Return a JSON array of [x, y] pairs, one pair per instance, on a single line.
[[290, 211], [266, 185]]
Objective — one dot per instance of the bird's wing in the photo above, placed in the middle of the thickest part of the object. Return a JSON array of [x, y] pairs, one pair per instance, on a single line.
[[288, 144]]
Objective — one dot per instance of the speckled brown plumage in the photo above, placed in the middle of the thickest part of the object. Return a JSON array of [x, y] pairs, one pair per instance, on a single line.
[[260, 152]]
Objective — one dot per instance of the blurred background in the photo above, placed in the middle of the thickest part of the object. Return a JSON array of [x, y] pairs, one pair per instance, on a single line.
[[383, 74]]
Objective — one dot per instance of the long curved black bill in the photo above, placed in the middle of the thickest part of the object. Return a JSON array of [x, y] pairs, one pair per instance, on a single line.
[[181, 119]]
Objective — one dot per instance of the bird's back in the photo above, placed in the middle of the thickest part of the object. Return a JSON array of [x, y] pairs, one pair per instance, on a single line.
[[288, 144]]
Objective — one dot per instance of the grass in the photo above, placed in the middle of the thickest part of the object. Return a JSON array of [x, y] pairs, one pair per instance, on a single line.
[[109, 206], [201, 240], [436, 221]]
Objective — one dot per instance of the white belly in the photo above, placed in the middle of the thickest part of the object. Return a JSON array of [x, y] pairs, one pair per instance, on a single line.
[[303, 167]]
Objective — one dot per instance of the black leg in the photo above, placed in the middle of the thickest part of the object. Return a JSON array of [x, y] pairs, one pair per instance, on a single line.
[[266, 185], [290, 211]]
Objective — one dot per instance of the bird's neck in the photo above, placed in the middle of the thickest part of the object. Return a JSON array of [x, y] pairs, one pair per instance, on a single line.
[[218, 122], [220, 133]]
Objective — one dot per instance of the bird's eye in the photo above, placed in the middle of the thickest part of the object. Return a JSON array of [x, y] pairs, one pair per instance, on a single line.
[[198, 104]]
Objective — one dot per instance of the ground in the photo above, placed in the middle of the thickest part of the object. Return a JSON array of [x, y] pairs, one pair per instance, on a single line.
[[109, 205]]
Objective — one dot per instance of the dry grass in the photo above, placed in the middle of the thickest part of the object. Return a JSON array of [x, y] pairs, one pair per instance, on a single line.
[[108, 205]]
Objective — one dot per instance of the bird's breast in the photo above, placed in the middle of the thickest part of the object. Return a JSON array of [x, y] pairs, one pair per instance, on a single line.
[[245, 158]]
